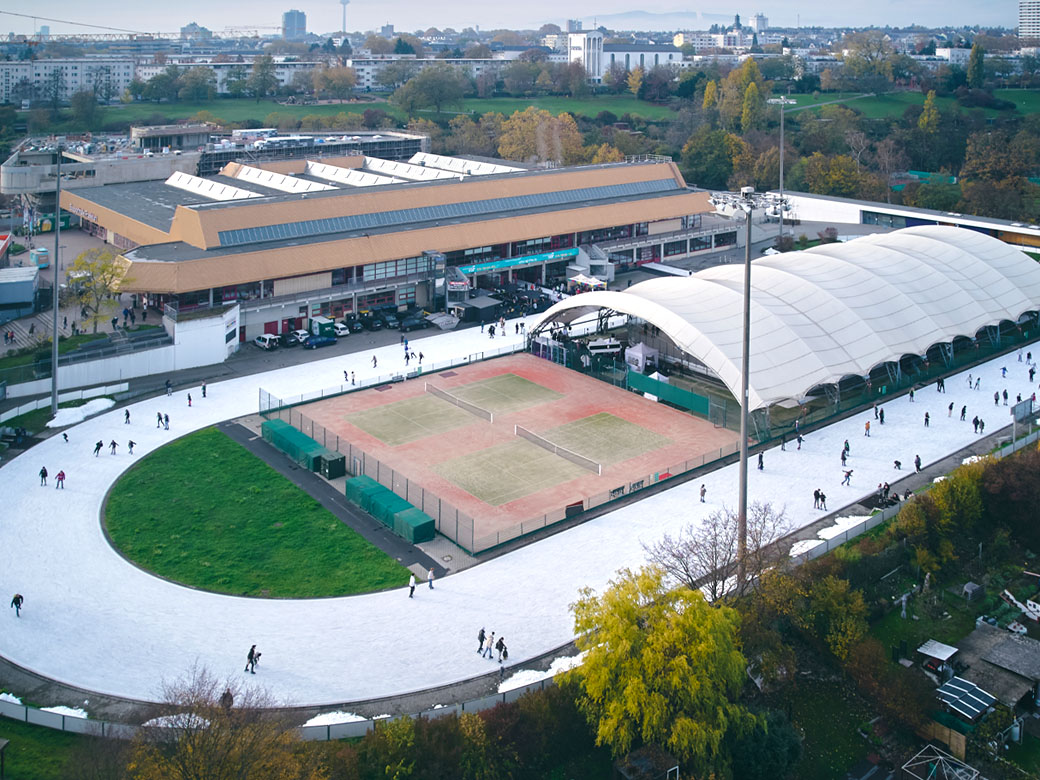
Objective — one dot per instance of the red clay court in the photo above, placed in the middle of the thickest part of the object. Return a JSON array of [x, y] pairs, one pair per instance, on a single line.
[[444, 442]]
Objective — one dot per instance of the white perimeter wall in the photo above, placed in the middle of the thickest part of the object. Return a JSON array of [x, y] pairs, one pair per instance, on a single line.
[[823, 210]]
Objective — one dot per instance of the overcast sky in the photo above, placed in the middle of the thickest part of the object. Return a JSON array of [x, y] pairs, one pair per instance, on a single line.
[[410, 15]]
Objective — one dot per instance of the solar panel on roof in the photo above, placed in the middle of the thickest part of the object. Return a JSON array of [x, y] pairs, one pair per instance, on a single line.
[[318, 227], [965, 697]]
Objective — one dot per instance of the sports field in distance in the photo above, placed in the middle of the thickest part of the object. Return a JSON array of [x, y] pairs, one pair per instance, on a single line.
[[451, 438]]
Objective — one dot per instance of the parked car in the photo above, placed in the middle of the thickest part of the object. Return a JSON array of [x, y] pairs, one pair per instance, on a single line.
[[296, 337], [390, 319], [267, 341], [341, 329], [371, 321], [354, 323], [415, 322], [313, 342]]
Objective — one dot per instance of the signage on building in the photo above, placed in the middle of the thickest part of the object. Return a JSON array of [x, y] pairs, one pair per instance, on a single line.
[[515, 262]]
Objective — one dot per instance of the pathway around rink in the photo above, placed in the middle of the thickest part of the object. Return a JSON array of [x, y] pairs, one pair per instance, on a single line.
[[94, 621]]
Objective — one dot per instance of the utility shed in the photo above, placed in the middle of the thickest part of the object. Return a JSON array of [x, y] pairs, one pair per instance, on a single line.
[[18, 291], [1005, 664]]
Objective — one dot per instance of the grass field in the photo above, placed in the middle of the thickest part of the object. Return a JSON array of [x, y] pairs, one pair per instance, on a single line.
[[205, 512], [589, 107], [505, 393], [411, 419], [35, 752], [828, 721], [891, 630], [506, 472], [605, 438]]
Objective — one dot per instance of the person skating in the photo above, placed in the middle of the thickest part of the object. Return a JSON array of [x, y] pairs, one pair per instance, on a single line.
[[158, 420], [374, 361], [927, 419], [761, 464], [203, 389], [975, 423], [251, 660], [917, 462], [911, 395], [169, 388], [126, 417], [844, 456], [949, 412], [982, 426], [189, 400], [112, 445], [704, 492], [898, 464], [964, 411], [59, 481], [881, 417], [848, 478], [43, 477], [500, 645], [130, 446], [65, 436], [866, 429], [97, 448], [978, 381], [429, 578], [800, 440], [166, 421], [480, 640], [17, 602], [823, 500], [489, 646], [816, 499], [1005, 397], [411, 586]]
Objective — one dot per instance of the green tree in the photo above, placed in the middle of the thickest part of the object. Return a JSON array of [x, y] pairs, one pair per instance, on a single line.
[[401, 46], [84, 108], [635, 80], [836, 614], [435, 86], [338, 82], [237, 81], [198, 84], [661, 666], [928, 122], [394, 74], [977, 67], [97, 273], [535, 135], [769, 752], [377, 44], [164, 86], [606, 153], [711, 95], [263, 80], [752, 115], [54, 87], [836, 175], [705, 158]]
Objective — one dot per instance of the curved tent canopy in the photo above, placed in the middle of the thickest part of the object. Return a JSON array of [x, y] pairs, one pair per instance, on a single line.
[[832, 311]]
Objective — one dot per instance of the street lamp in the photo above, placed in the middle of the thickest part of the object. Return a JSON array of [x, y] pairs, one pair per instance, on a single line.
[[781, 101], [728, 204]]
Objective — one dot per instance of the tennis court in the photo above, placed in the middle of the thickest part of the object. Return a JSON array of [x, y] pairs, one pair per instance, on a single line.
[[413, 418], [438, 454]]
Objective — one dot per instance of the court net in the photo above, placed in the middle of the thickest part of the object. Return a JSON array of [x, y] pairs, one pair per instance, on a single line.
[[451, 399], [563, 452]]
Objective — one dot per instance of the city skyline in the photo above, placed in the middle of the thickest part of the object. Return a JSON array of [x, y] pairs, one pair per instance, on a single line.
[[407, 15]]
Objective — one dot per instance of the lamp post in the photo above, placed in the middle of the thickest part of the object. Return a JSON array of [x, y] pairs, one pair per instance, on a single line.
[[57, 277], [781, 101]]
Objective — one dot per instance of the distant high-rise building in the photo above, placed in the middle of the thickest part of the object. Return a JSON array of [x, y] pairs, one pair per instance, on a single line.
[[294, 25], [387, 31], [1029, 19], [573, 25], [759, 23], [195, 32], [45, 30]]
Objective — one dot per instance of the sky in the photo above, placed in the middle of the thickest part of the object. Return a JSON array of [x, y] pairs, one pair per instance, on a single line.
[[411, 15]]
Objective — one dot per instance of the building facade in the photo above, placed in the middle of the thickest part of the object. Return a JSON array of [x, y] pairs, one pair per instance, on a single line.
[[1029, 19], [294, 25], [40, 79]]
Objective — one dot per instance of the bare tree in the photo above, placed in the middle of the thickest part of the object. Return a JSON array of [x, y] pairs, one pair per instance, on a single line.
[[704, 556], [217, 730], [857, 143]]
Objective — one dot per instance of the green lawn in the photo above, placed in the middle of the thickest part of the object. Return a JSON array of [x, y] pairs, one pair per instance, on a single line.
[[828, 722], [65, 344], [892, 629], [205, 512], [35, 752], [590, 107], [893, 104], [1026, 755]]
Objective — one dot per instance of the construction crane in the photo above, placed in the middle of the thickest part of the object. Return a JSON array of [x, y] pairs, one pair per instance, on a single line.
[[120, 33]]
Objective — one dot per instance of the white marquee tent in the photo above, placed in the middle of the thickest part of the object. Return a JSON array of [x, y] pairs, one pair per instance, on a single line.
[[832, 311]]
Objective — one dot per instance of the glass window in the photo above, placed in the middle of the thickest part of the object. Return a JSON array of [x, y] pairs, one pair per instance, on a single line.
[[673, 248], [726, 239], [699, 243]]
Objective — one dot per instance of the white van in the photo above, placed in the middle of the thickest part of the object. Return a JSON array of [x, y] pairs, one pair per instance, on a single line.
[[267, 341], [604, 347]]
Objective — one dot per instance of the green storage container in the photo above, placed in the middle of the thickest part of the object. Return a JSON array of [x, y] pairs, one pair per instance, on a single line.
[[414, 525], [333, 464], [386, 505], [355, 485]]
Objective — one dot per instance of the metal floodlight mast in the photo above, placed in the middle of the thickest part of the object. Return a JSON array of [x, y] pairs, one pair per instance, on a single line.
[[54, 302], [781, 101]]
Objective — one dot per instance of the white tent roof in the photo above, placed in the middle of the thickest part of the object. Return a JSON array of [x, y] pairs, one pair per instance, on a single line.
[[835, 310]]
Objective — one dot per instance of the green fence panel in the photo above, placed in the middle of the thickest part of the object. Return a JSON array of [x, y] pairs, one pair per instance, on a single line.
[[677, 396]]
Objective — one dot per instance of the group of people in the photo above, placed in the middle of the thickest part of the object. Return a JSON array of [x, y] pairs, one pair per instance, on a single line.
[[411, 583], [487, 645], [59, 479]]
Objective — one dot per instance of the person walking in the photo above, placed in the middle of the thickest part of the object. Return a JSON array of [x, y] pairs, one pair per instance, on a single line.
[[823, 500], [374, 361], [17, 602], [166, 421], [761, 465], [158, 420], [844, 456], [489, 646], [126, 417], [848, 478], [411, 586], [978, 381], [480, 640], [189, 400], [800, 441], [251, 660], [59, 481], [917, 463], [927, 419], [429, 578], [964, 411], [1005, 397], [169, 388], [203, 389], [875, 410], [816, 499], [500, 645], [949, 412], [881, 416], [982, 426], [911, 395], [97, 448], [866, 429], [704, 492], [113, 446], [43, 477], [975, 423]]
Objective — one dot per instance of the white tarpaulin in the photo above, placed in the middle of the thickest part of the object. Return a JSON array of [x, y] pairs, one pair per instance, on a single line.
[[639, 356]]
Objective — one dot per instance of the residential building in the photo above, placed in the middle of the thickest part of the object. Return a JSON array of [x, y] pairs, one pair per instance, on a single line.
[[294, 25], [759, 23], [195, 32], [631, 56], [1029, 19], [574, 25], [699, 40], [386, 31], [25, 80], [587, 48]]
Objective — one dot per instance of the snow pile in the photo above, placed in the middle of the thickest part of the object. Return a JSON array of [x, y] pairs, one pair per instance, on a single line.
[[804, 546], [72, 712], [971, 459], [841, 524], [182, 720], [78, 414], [938, 479], [332, 718], [10, 698], [529, 676]]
